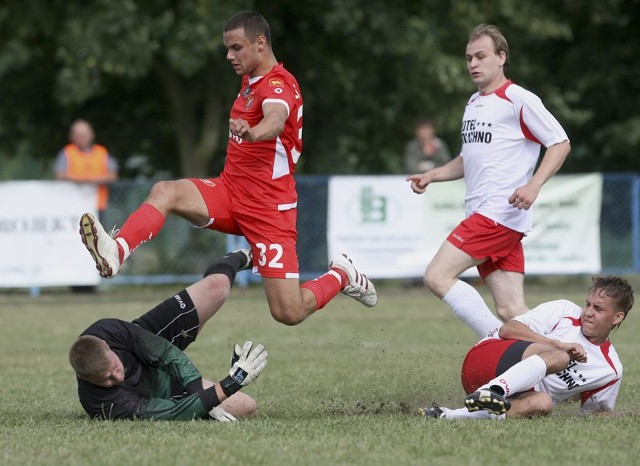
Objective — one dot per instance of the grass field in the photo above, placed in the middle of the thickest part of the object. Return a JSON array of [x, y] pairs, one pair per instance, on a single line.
[[340, 389]]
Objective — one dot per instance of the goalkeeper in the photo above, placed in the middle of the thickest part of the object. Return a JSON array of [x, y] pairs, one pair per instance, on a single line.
[[138, 370]]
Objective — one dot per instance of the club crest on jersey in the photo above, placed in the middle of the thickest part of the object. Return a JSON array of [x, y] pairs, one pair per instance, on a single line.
[[249, 102], [246, 92], [276, 82]]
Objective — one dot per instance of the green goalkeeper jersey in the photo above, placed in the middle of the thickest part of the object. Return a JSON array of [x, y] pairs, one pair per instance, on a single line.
[[160, 380]]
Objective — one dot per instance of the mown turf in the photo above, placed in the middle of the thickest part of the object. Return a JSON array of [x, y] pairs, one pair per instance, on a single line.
[[340, 389]]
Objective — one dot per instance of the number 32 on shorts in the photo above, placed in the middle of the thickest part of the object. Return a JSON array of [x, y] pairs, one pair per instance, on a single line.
[[274, 251]]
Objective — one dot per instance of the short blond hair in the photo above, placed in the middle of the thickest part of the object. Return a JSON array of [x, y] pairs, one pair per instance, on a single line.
[[88, 357], [499, 41]]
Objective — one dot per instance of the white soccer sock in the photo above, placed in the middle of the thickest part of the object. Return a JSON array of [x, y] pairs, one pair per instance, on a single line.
[[470, 308], [521, 376], [463, 413]]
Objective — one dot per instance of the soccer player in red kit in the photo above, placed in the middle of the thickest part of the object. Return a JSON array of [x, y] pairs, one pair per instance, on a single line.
[[254, 196]]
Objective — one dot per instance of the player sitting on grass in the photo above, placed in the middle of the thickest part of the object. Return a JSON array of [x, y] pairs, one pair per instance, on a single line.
[[548, 355], [138, 370]]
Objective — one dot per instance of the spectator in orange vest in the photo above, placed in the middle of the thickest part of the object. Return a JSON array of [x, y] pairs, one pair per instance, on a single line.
[[83, 161]]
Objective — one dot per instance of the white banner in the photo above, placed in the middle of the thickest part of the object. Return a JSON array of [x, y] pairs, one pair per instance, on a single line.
[[393, 233], [39, 240]]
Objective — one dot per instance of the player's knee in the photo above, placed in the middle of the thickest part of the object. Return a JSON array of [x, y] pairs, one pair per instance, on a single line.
[[507, 313], [163, 193], [287, 317], [542, 405], [249, 407], [431, 280]]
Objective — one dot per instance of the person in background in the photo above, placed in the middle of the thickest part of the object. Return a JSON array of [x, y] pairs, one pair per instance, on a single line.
[[85, 162], [425, 151]]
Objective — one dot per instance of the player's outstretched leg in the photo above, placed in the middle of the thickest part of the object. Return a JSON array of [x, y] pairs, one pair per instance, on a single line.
[[359, 287], [102, 247], [487, 399]]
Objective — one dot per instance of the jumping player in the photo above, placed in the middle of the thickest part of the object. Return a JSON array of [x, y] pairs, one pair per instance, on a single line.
[[550, 354], [254, 196], [503, 129]]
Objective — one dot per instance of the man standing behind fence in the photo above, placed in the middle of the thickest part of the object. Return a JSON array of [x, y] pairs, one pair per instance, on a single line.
[[83, 161]]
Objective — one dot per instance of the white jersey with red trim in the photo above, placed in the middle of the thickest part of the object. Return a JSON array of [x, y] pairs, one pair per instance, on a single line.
[[262, 172], [501, 137], [597, 381]]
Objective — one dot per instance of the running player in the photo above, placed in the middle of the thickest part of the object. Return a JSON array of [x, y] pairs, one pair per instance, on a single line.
[[503, 129], [254, 196], [552, 353]]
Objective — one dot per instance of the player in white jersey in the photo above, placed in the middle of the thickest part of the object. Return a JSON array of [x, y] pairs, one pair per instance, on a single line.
[[552, 353], [503, 129]]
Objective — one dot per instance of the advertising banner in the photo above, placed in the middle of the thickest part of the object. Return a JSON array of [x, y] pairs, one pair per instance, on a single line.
[[39, 240], [393, 233]]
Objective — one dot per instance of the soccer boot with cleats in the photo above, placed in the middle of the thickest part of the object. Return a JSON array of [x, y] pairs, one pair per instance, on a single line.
[[488, 399], [359, 287], [102, 247]]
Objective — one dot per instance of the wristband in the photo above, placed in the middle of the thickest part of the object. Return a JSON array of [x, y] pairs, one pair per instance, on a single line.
[[229, 386], [209, 398]]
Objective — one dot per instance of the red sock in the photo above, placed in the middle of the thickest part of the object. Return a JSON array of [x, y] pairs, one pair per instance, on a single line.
[[324, 288], [141, 226]]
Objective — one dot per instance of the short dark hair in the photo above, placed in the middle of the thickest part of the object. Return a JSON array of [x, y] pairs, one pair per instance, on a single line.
[[499, 42], [88, 357], [253, 23], [616, 288]]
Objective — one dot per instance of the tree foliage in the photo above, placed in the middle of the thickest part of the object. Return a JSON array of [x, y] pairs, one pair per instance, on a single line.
[[153, 79]]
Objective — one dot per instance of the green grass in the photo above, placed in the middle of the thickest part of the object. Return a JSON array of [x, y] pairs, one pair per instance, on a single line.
[[340, 389]]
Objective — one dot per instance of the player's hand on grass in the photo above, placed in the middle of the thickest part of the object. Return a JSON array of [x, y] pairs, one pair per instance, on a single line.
[[246, 368], [219, 414]]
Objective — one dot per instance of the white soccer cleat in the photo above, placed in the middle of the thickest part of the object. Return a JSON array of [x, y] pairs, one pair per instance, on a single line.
[[360, 287], [102, 247]]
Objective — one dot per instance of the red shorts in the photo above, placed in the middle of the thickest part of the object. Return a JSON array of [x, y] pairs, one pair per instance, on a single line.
[[483, 238], [488, 359], [271, 234]]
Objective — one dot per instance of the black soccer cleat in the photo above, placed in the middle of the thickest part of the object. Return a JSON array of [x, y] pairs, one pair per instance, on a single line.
[[431, 413], [487, 400]]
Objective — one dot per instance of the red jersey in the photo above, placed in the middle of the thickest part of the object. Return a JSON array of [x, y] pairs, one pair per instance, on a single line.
[[262, 172]]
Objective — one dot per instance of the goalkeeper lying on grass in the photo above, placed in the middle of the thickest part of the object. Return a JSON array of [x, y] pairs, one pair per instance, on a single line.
[[138, 370]]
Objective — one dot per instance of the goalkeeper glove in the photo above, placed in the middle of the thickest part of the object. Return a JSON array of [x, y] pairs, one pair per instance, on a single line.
[[247, 365], [219, 414]]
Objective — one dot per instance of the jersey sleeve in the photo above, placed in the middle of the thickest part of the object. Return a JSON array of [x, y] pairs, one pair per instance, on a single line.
[[278, 89], [183, 409], [537, 120], [601, 400], [545, 317], [60, 165], [122, 403]]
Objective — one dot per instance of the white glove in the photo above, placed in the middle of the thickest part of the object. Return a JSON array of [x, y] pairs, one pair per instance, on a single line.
[[219, 414], [246, 365], [249, 365], [236, 354]]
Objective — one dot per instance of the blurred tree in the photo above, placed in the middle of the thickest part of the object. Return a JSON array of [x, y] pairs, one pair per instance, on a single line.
[[153, 78]]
